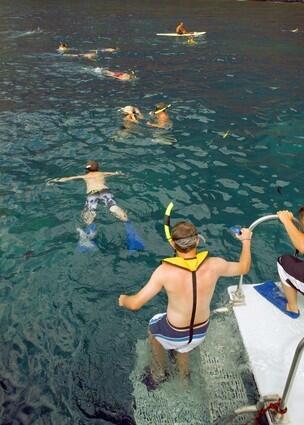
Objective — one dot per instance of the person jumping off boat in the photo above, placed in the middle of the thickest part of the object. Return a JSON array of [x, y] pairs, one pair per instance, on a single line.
[[290, 267], [96, 191], [189, 280], [161, 117]]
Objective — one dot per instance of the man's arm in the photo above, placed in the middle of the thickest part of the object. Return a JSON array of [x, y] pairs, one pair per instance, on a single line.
[[152, 288], [65, 179], [229, 268], [116, 173], [297, 237], [151, 124]]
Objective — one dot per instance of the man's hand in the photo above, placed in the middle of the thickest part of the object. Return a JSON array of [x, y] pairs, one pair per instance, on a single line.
[[119, 173], [245, 235], [285, 216], [121, 299], [52, 181]]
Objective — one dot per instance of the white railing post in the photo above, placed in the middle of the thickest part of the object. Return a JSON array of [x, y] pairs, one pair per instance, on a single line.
[[238, 297]]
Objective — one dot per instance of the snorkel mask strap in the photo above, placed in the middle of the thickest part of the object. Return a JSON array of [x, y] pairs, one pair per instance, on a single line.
[[167, 226]]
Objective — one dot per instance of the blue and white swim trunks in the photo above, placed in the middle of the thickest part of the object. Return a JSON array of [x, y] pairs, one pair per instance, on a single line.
[[173, 338], [94, 197]]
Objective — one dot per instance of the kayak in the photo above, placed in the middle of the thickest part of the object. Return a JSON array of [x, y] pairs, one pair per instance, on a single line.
[[188, 34]]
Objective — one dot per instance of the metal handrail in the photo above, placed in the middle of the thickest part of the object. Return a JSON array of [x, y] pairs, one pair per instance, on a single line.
[[292, 373], [238, 295]]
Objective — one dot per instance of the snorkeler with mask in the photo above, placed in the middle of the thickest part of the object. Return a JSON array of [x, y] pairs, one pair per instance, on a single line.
[[123, 76], [189, 279], [63, 47], [132, 115], [161, 117], [97, 191]]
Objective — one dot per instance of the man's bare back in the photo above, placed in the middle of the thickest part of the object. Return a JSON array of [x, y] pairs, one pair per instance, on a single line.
[[178, 285], [95, 181]]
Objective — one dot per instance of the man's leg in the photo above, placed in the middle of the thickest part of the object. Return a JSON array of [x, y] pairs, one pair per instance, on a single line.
[[182, 361], [89, 212], [88, 216], [292, 298], [119, 213], [159, 358]]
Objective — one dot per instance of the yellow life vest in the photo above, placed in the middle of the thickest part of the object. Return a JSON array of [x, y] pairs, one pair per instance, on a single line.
[[192, 265]]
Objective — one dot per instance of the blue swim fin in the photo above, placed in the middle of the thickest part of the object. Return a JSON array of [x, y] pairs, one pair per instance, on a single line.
[[272, 293], [86, 236], [134, 242]]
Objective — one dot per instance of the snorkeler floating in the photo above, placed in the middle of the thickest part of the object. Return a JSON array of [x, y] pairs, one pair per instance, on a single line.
[[97, 191], [123, 76], [132, 115], [91, 54], [161, 117], [63, 47]]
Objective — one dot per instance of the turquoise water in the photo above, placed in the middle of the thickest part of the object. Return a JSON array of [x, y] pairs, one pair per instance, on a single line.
[[67, 350]]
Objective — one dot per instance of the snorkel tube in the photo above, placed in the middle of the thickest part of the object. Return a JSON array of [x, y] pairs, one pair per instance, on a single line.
[[162, 110], [167, 226]]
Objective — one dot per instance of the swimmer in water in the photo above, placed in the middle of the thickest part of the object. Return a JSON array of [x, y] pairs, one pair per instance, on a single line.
[[161, 117], [109, 49], [191, 40], [123, 76], [97, 191], [88, 55], [180, 29], [132, 115], [63, 47]]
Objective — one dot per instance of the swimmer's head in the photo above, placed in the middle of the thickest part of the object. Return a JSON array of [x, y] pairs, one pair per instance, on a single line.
[[185, 236], [62, 46], [161, 107], [128, 110], [92, 166]]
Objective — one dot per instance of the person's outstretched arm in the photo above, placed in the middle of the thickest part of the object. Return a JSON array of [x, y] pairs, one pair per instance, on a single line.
[[229, 268], [116, 173], [297, 237], [152, 288], [65, 179]]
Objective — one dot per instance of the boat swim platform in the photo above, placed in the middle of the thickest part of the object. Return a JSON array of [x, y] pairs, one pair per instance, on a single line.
[[221, 381], [271, 338]]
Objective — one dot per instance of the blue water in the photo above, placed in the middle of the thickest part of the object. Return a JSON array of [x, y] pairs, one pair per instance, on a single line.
[[66, 348]]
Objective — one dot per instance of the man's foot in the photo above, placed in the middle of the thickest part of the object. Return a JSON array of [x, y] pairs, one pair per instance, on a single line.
[[292, 311], [151, 382]]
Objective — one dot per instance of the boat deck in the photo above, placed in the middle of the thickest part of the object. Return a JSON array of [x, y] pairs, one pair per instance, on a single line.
[[271, 338]]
